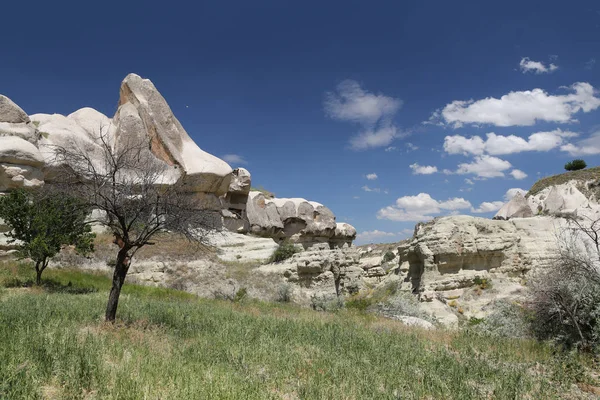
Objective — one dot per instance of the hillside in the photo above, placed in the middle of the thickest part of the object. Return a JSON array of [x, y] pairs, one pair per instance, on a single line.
[[173, 345], [583, 175]]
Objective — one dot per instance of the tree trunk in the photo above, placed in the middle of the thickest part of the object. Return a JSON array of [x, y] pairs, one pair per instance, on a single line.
[[38, 274], [118, 279]]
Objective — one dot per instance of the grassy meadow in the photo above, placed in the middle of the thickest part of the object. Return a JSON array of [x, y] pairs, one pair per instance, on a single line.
[[172, 345]]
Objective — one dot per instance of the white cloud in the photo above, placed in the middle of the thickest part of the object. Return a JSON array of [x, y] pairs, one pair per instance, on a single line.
[[367, 236], [446, 171], [485, 167], [512, 192], [487, 207], [522, 108], [368, 189], [374, 112], [469, 182], [585, 147], [377, 235], [518, 174], [372, 176], [371, 138], [501, 145], [420, 207], [537, 67], [391, 148], [352, 103], [423, 169], [411, 147], [458, 144], [234, 159]]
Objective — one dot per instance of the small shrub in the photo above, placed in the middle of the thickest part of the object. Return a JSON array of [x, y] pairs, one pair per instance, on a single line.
[[575, 165], [483, 283], [403, 304], [240, 295], [359, 303], [389, 256], [283, 252], [284, 293], [506, 320], [326, 303]]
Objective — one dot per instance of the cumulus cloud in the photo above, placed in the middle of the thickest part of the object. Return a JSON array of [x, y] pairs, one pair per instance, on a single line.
[[423, 169], [512, 192], [502, 145], [585, 147], [521, 108], [234, 159], [372, 176], [373, 112], [537, 67], [485, 167], [518, 174], [421, 207], [487, 206], [377, 137]]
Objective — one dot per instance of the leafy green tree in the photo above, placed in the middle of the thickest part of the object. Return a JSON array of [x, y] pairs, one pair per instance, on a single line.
[[575, 165], [41, 223]]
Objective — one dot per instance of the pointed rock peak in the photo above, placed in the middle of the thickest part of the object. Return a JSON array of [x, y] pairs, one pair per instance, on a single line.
[[144, 111], [517, 207], [10, 112]]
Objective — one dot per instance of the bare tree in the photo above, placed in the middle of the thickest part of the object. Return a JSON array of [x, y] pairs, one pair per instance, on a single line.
[[565, 297], [139, 195]]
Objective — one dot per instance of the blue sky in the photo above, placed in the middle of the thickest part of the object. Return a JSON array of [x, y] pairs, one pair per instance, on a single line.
[[315, 97]]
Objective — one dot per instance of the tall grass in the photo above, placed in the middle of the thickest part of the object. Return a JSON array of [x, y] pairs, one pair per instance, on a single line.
[[55, 345]]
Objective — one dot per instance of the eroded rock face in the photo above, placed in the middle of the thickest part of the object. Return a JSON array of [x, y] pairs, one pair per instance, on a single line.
[[298, 220], [517, 207], [82, 128], [451, 252], [20, 159], [565, 199], [142, 105]]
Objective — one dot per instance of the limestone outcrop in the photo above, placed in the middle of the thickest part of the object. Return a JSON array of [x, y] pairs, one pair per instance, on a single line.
[[20, 159], [143, 111], [297, 220], [517, 207], [28, 159]]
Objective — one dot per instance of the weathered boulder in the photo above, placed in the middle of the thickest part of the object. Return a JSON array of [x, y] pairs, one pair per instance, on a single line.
[[240, 181], [560, 199], [20, 164], [517, 207], [80, 129], [10, 112], [263, 216], [298, 220], [141, 103]]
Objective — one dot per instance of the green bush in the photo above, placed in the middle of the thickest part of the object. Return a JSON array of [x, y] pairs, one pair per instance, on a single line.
[[283, 252], [575, 165], [389, 256]]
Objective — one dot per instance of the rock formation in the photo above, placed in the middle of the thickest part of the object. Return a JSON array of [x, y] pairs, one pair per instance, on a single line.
[[298, 220], [27, 159], [20, 159], [517, 207], [449, 259]]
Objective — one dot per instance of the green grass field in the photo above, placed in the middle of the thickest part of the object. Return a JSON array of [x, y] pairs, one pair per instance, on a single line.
[[171, 345]]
